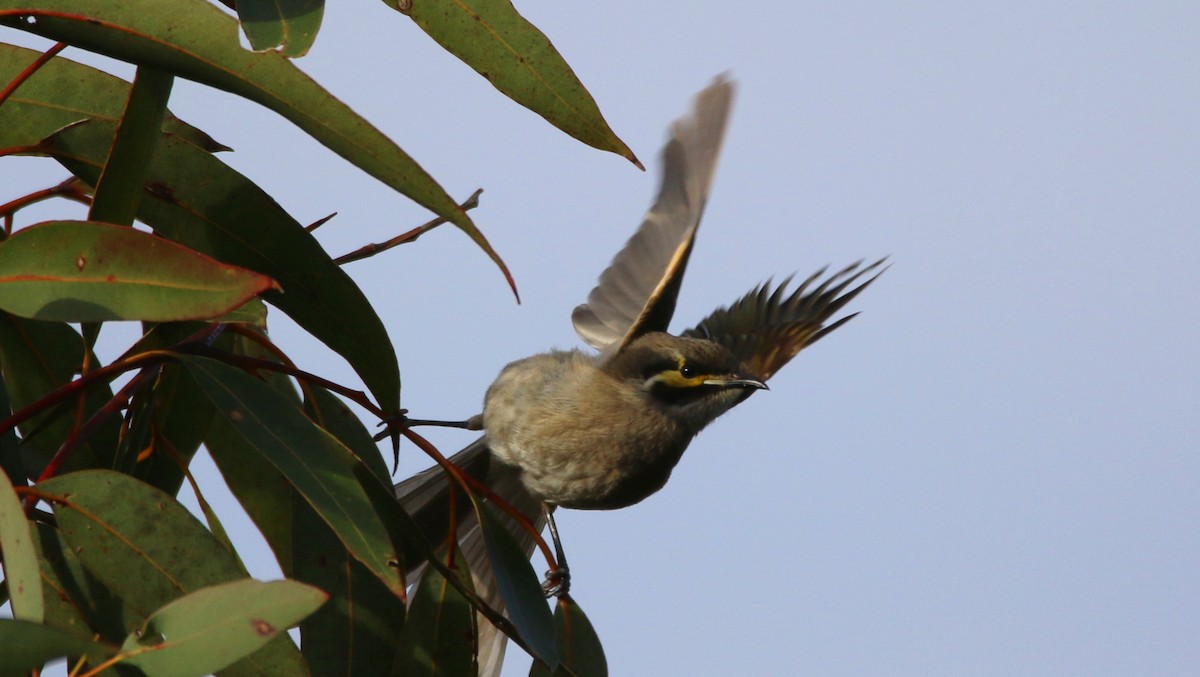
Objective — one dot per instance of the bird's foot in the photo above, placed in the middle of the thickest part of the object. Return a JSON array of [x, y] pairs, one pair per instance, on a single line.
[[557, 583]]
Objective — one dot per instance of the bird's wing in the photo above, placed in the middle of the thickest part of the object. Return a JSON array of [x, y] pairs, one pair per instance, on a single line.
[[636, 293], [766, 328]]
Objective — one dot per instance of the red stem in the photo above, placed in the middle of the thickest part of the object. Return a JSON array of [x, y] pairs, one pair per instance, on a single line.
[[30, 70]]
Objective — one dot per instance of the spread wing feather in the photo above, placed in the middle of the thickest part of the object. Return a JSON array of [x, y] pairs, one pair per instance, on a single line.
[[637, 292], [767, 327]]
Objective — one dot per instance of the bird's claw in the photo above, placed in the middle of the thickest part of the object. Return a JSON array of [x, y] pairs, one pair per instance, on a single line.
[[557, 582]]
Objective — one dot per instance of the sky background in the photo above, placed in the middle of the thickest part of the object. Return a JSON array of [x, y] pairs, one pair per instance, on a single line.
[[992, 471]]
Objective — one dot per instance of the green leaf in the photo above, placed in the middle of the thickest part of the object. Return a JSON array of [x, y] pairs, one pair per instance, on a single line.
[[211, 628], [518, 585], [196, 200], [519, 60], [75, 600], [82, 271], [182, 415], [328, 411], [36, 358], [355, 632], [10, 445], [139, 541], [27, 646], [62, 92], [578, 644], [195, 40], [252, 312], [119, 189], [262, 491], [436, 641], [312, 460], [289, 24], [20, 561], [148, 549]]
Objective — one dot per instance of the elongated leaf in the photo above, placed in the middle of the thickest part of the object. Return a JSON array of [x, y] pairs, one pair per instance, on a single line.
[[197, 41], [306, 455], [252, 312], [20, 561], [38, 357], [81, 271], [149, 550], [181, 413], [329, 412], [582, 655], [435, 641], [211, 628], [518, 585], [10, 446], [182, 416], [63, 91], [290, 25], [75, 600], [119, 190], [198, 201], [136, 539], [519, 60], [355, 632], [263, 492], [27, 646]]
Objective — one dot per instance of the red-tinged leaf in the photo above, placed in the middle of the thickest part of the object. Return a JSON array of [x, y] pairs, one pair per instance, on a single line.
[[197, 41], [198, 201], [81, 271]]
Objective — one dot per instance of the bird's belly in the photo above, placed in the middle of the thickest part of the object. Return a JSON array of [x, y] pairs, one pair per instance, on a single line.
[[609, 474]]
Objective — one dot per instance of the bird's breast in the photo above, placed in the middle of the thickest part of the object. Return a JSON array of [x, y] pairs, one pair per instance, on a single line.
[[581, 438]]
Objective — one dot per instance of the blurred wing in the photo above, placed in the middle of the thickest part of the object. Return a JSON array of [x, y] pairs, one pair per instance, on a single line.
[[636, 293], [766, 329]]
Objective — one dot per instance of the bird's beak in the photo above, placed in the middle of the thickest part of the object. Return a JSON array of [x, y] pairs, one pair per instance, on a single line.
[[736, 381]]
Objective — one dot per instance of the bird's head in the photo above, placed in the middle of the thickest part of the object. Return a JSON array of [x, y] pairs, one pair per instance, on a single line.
[[692, 380]]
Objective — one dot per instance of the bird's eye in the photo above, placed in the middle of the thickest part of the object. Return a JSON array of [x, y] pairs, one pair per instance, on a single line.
[[687, 371]]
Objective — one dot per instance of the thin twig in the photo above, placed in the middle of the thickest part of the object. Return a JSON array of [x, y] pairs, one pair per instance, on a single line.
[[319, 222], [248, 363], [108, 372], [67, 189], [80, 433], [369, 250]]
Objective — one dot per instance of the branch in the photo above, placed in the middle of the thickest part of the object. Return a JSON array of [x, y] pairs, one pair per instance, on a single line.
[[369, 250]]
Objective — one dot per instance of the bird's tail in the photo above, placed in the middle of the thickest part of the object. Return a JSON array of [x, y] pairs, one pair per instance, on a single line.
[[425, 496]]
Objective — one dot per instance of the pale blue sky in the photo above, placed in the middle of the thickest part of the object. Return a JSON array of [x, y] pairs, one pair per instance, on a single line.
[[992, 471]]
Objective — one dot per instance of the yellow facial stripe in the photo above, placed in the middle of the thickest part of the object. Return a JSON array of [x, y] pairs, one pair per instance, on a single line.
[[672, 378], [675, 378]]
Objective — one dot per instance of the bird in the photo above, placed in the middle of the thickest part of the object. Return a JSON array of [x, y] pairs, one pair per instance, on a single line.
[[602, 429]]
